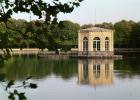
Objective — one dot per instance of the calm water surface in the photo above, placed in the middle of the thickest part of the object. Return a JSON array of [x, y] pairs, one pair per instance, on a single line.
[[75, 79]]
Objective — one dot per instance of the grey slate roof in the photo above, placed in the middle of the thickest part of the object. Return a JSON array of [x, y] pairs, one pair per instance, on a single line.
[[95, 29]]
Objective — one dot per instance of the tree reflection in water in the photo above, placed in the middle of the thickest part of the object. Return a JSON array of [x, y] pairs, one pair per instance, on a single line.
[[127, 68], [91, 72], [11, 86], [18, 68]]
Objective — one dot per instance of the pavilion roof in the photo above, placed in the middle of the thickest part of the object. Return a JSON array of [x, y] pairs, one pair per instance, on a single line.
[[95, 29]]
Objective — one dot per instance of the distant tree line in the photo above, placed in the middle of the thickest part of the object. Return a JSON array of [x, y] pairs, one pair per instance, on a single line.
[[21, 34], [126, 33]]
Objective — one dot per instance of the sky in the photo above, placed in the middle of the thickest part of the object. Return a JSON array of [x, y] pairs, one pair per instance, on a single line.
[[98, 11]]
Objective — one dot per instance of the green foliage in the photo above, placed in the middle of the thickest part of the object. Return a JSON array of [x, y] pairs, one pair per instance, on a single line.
[[123, 31], [13, 33], [105, 25], [39, 8], [37, 33], [87, 26], [64, 36], [135, 35], [19, 33]]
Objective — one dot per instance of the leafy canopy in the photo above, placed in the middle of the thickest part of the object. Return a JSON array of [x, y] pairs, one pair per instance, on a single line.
[[39, 8]]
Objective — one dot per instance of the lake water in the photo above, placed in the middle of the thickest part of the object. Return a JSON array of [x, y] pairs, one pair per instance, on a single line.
[[73, 79]]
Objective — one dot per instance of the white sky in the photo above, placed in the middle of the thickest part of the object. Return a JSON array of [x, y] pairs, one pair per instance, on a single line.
[[98, 11]]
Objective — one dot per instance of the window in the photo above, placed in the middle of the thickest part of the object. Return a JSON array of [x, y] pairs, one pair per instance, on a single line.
[[96, 44], [106, 44], [96, 70], [85, 69], [106, 70], [85, 44]]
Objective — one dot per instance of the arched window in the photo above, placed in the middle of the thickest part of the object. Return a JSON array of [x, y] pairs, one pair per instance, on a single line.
[[96, 44], [85, 44], [106, 44]]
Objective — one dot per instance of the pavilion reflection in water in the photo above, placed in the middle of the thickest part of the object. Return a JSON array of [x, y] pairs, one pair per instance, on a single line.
[[95, 72]]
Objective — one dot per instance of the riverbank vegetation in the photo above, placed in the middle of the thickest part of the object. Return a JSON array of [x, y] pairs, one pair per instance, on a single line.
[[23, 34], [64, 35], [20, 33]]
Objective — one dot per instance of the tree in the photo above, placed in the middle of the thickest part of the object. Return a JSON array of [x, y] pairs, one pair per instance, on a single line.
[[135, 35], [123, 31], [87, 26], [37, 31], [40, 8], [105, 25], [64, 36]]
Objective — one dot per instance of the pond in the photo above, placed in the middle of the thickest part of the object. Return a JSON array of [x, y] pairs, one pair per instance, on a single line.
[[74, 79]]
